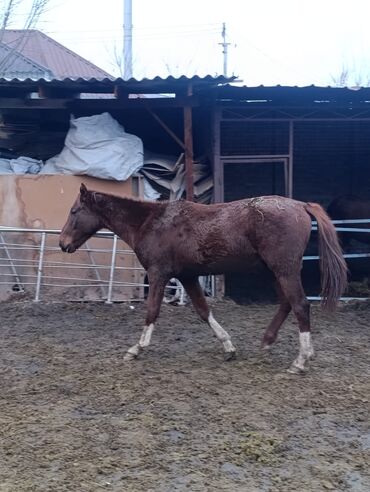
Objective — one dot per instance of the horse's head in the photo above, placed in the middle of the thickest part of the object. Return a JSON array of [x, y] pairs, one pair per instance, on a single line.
[[82, 223]]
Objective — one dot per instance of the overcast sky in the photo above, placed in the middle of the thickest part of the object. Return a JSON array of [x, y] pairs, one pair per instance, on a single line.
[[288, 42]]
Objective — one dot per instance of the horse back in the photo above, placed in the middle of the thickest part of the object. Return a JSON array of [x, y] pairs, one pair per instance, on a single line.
[[223, 237]]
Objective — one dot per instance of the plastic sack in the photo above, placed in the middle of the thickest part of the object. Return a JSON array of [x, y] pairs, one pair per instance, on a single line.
[[98, 146]]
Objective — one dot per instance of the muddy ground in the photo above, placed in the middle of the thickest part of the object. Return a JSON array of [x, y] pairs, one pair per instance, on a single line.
[[75, 417]]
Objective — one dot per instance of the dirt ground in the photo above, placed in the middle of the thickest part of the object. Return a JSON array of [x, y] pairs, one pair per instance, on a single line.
[[76, 417]]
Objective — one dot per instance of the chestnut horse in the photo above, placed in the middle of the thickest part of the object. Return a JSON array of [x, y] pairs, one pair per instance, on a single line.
[[182, 239]]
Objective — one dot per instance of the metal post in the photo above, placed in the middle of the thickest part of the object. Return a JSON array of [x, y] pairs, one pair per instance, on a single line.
[[127, 39], [182, 295], [290, 163], [224, 45], [286, 177], [12, 266], [111, 274], [39, 269], [213, 286], [97, 274]]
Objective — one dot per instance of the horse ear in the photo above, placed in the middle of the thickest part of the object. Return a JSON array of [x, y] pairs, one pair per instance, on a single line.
[[83, 192]]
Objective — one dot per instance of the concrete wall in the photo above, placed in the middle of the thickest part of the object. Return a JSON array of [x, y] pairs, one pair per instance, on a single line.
[[43, 202]]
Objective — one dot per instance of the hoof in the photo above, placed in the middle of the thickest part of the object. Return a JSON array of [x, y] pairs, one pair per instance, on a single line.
[[293, 369], [266, 347], [230, 355], [129, 357]]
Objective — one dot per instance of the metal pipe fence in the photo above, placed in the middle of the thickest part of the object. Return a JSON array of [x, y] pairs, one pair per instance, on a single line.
[[26, 264], [348, 256]]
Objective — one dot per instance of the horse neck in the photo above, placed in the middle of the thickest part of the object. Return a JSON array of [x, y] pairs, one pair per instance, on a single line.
[[125, 216]]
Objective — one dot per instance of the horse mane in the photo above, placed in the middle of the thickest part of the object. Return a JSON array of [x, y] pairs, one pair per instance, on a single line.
[[136, 211], [121, 198]]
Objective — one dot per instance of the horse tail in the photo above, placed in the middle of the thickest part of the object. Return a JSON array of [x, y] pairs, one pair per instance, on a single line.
[[333, 266]]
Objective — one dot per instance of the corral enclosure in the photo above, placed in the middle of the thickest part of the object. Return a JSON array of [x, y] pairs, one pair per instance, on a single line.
[[38, 127], [76, 417], [311, 143]]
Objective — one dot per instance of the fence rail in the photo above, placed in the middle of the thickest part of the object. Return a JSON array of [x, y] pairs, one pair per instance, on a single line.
[[39, 272], [29, 265]]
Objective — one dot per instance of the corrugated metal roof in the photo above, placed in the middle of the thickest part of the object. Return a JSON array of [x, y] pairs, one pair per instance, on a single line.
[[285, 94], [144, 86], [48, 53]]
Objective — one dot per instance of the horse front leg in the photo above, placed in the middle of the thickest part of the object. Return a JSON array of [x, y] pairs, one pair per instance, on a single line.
[[155, 297], [199, 302]]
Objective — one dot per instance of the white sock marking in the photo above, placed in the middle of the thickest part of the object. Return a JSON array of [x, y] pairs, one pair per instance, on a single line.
[[146, 335], [144, 341], [305, 351], [221, 334]]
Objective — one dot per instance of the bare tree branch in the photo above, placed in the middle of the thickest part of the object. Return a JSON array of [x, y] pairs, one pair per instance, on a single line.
[[9, 12], [351, 77], [8, 9]]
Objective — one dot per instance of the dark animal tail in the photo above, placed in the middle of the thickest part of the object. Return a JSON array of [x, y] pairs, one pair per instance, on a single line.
[[332, 263]]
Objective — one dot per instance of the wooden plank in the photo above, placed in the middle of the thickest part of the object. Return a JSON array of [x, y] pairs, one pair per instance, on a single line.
[[166, 128]]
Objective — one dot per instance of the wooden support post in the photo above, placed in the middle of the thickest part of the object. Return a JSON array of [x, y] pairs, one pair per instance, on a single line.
[[188, 140], [218, 166]]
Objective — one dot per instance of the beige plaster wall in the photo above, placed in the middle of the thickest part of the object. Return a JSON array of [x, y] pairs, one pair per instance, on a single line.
[[43, 202]]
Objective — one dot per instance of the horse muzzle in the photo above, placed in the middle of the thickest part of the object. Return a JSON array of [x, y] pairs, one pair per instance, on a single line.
[[67, 248]]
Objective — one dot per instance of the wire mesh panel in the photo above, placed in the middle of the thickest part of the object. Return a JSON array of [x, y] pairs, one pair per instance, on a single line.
[[245, 180], [331, 159], [254, 138]]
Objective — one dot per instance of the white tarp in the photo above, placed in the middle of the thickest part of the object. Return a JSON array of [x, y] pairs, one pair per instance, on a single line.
[[98, 146], [21, 165]]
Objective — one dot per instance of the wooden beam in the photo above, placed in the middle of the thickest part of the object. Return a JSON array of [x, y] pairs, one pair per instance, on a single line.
[[218, 168], [166, 128], [16, 103], [48, 92], [120, 92], [95, 104]]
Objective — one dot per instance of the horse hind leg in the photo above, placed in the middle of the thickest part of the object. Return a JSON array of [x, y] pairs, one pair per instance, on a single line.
[[272, 330], [199, 302], [293, 290]]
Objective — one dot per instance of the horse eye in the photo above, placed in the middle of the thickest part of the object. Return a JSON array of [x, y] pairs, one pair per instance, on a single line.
[[74, 210]]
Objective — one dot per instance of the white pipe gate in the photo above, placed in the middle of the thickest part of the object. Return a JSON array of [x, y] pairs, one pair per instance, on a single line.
[[14, 260]]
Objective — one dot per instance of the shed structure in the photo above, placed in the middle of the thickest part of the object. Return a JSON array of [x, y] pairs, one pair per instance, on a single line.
[[311, 143]]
